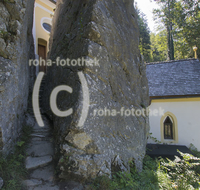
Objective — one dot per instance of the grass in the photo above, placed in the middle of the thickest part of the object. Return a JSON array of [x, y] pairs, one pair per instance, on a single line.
[[178, 174], [12, 167]]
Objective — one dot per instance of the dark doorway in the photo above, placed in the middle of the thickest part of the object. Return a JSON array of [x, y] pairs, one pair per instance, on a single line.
[[42, 52], [42, 57]]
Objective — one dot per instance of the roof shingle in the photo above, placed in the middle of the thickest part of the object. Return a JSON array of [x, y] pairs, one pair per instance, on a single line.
[[174, 78]]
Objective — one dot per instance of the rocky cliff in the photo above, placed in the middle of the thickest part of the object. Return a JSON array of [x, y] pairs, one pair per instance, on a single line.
[[15, 49], [105, 34]]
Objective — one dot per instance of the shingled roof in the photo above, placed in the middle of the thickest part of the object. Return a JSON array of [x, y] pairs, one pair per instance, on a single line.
[[174, 78]]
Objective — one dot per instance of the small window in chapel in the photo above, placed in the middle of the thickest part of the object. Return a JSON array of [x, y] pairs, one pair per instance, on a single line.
[[168, 128]]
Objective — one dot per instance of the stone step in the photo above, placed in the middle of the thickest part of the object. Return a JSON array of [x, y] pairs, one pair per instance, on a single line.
[[46, 186], [35, 162], [42, 133], [40, 149], [32, 182], [46, 173], [38, 140], [71, 185], [36, 126], [37, 135], [40, 156], [41, 130]]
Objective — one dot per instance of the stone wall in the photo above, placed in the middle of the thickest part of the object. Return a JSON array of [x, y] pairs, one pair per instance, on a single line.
[[106, 30], [16, 46]]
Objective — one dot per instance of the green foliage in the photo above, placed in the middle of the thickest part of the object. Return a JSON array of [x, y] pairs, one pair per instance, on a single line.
[[187, 20], [100, 183], [194, 150], [12, 167], [144, 36], [181, 171], [157, 174], [197, 154], [182, 48], [165, 14], [154, 139], [151, 178], [8, 1], [4, 34], [181, 21], [178, 31], [20, 143], [159, 46]]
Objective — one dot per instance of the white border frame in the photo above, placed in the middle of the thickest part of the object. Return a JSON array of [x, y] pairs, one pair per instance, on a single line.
[[46, 20]]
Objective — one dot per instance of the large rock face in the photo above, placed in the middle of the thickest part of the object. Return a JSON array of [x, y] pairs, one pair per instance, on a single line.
[[15, 49], [111, 136]]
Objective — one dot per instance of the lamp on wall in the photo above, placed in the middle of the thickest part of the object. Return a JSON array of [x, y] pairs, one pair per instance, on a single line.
[[52, 14], [195, 51]]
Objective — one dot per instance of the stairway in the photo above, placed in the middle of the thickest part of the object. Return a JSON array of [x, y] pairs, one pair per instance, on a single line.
[[39, 161], [40, 152], [30, 107]]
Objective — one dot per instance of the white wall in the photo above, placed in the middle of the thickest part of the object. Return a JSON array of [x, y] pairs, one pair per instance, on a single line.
[[187, 112]]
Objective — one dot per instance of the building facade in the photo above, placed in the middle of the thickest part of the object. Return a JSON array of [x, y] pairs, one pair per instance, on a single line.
[[43, 13], [174, 89]]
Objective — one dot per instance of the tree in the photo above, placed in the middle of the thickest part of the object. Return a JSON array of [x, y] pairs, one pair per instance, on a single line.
[[166, 15], [144, 37], [159, 46], [181, 19], [181, 46], [187, 19]]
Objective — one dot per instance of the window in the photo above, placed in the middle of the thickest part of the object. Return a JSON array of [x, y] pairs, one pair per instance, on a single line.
[[168, 128], [46, 24], [47, 27], [53, 1]]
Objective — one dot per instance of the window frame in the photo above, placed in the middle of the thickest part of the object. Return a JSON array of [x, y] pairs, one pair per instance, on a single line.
[[173, 119]]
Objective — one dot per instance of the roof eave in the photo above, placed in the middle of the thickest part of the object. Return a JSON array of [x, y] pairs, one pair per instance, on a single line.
[[175, 96]]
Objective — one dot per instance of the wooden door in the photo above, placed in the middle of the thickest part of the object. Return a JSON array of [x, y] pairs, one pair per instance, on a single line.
[[42, 54]]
